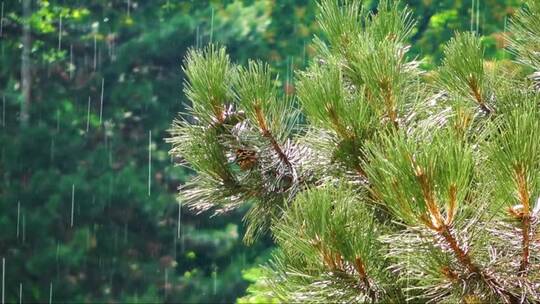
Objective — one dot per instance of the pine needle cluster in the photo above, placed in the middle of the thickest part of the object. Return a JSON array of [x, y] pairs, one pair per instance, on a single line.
[[378, 182]]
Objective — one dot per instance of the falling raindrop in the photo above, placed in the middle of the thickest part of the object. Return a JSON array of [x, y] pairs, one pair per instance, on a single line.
[[20, 293], [72, 202], [149, 161], [113, 49], [57, 120], [95, 51], [472, 15], [2, 20], [179, 220], [57, 251], [288, 75], [175, 249], [71, 65], [110, 155], [88, 115], [3, 279], [214, 279], [4, 111], [212, 25], [50, 293], [125, 232], [304, 56], [477, 16], [166, 283], [23, 228], [18, 217], [60, 34], [52, 149], [101, 105], [197, 38], [99, 58], [115, 241], [128, 7]]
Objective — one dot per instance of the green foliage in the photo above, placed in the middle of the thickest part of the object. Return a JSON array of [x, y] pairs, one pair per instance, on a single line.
[[439, 20], [340, 22], [393, 189], [320, 93], [328, 238], [237, 145], [258, 291], [257, 93], [415, 176], [208, 86], [462, 71], [524, 39], [514, 156]]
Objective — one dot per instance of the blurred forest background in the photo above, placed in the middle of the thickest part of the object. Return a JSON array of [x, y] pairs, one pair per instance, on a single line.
[[88, 209]]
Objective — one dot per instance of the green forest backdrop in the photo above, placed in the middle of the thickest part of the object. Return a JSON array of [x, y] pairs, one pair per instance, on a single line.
[[89, 88]]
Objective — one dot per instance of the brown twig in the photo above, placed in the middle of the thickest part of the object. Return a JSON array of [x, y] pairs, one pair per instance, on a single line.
[[526, 223], [524, 198], [475, 89], [462, 256], [219, 113], [361, 269], [439, 225], [448, 272], [389, 102], [266, 133], [436, 221], [452, 204], [436, 218], [345, 134], [334, 119]]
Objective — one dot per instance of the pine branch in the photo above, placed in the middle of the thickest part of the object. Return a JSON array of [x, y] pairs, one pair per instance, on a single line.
[[443, 209], [438, 224], [525, 34], [209, 83], [364, 279], [462, 73], [311, 232], [266, 133]]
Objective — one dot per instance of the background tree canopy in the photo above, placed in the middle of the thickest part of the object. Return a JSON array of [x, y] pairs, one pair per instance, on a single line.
[[87, 197]]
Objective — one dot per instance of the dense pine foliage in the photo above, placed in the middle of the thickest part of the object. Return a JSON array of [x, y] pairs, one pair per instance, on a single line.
[[378, 181]]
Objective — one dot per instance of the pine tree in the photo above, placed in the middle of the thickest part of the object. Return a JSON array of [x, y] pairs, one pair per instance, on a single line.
[[379, 182]]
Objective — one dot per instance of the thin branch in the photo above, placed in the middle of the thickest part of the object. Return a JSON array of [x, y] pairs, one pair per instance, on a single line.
[[218, 110], [266, 133], [345, 134], [436, 218], [361, 269], [524, 198], [389, 102], [438, 224], [526, 224], [462, 255], [475, 89], [452, 205], [334, 119]]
